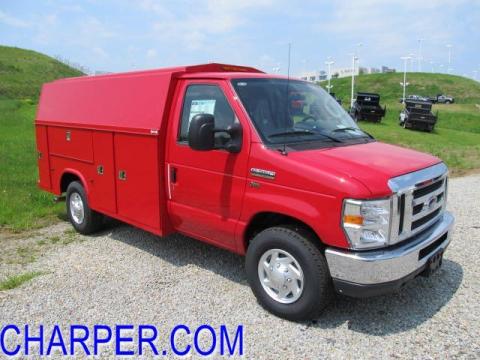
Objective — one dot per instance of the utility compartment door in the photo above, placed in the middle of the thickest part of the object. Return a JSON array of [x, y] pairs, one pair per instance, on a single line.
[[43, 158], [102, 197], [137, 178]]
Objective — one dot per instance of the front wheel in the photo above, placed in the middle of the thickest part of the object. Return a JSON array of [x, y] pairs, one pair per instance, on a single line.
[[288, 273], [84, 220]]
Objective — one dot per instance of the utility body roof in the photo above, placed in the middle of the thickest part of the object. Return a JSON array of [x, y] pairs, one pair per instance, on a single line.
[[139, 99]]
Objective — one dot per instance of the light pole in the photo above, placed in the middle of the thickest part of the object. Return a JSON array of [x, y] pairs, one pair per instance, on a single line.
[[359, 45], [404, 84], [412, 57], [329, 64], [354, 58], [431, 63], [420, 58], [449, 47]]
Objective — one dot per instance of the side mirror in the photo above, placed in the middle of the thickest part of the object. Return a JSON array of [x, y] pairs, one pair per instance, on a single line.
[[234, 145], [201, 133]]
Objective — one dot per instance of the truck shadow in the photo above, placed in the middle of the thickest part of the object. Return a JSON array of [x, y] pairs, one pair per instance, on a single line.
[[408, 308], [417, 302]]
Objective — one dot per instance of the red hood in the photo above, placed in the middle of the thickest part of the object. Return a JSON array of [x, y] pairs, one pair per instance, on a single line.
[[373, 164]]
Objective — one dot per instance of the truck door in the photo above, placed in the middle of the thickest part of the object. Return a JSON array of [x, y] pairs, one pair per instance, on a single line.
[[103, 185], [205, 188]]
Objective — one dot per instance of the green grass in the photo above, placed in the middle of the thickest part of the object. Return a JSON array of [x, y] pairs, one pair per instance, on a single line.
[[22, 72], [456, 138], [15, 281], [22, 204], [465, 91]]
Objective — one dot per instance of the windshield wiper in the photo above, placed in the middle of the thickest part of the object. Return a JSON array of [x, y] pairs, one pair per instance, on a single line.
[[292, 132], [297, 132], [354, 129]]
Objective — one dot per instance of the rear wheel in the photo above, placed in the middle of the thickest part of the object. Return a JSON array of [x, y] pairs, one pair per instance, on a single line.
[[84, 220], [288, 274]]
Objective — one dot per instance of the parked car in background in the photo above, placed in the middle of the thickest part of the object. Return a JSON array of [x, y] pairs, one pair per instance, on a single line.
[[442, 99], [367, 107], [415, 98], [418, 115]]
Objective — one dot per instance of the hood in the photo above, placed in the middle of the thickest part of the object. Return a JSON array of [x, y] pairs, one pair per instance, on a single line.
[[372, 164]]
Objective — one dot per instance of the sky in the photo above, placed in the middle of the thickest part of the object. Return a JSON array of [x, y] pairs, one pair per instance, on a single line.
[[121, 35]]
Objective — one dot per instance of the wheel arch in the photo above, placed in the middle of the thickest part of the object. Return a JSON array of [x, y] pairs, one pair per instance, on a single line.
[[266, 219], [68, 176]]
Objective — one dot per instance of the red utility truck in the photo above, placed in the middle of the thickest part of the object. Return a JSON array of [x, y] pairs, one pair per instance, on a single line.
[[261, 165]]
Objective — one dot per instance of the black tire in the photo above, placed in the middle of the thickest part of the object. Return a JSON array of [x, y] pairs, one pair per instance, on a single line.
[[317, 287], [92, 220]]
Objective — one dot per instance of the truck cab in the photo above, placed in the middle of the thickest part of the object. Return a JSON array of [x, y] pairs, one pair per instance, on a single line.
[[265, 166]]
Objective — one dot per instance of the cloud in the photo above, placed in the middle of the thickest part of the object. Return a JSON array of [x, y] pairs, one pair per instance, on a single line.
[[151, 53], [390, 29], [13, 21], [91, 27], [199, 25], [100, 52]]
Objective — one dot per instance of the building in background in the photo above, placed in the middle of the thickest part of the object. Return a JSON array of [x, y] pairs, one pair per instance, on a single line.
[[314, 75], [321, 75], [386, 69]]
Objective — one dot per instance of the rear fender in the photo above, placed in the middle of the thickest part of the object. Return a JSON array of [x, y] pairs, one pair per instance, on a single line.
[[58, 189]]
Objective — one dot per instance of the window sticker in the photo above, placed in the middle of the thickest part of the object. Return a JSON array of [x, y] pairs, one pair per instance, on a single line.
[[202, 107]]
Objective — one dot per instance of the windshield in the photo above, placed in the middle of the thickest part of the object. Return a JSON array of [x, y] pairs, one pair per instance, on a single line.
[[295, 111]]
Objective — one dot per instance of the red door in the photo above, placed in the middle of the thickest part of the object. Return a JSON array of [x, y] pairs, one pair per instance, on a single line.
[[137, 179], [43, 157], [102, 190], [205, 188]]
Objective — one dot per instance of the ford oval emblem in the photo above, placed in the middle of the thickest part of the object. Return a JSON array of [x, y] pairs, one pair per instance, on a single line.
[[430, 203]]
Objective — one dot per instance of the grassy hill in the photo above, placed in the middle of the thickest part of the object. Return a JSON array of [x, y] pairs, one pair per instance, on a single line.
[[465, 91], [456, 138], [22, 72]]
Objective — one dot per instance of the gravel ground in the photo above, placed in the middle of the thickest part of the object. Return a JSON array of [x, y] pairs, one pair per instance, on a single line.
[[125, 275]]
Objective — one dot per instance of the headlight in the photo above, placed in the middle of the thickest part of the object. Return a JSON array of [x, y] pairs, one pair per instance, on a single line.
[[367, 222]]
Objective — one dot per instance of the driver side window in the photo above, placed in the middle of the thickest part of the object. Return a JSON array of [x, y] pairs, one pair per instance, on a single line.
[[205, 99]]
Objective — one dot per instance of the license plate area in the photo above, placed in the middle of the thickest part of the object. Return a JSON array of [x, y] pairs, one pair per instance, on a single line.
[[434, 263]]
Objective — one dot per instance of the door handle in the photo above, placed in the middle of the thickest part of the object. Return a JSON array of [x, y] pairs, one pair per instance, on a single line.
[[122, 175], [173, 175]]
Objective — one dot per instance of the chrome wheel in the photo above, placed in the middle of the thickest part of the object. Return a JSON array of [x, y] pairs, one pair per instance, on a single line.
[[281, 276], [77, 209]]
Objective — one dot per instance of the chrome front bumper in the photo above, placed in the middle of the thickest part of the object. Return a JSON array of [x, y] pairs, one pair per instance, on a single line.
[[391, 267]]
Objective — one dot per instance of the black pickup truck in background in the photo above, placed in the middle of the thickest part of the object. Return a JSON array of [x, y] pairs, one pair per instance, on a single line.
[[441, 99], [415, 98], [367, 107], [418, 115]]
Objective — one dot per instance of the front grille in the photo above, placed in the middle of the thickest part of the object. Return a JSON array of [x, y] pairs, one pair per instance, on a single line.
[[419, 201], [427, 189], [425, 219]]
